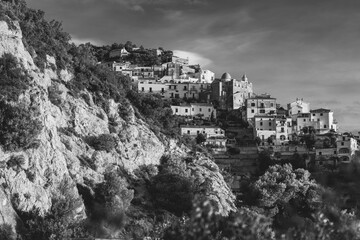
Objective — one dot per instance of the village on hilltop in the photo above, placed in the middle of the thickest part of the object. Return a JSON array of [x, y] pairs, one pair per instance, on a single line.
[[236, 124]]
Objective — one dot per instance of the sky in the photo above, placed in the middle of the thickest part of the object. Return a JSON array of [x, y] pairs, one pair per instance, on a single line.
[[288, 48]]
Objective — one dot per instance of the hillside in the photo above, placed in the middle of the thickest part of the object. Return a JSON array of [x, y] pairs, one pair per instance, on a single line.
[[75, 152]]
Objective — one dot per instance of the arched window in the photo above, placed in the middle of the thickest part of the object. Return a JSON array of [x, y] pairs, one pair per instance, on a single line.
[[344, 150]]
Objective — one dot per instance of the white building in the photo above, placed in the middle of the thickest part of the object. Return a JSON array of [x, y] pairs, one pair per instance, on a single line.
[[208, 131], [324, 120], [298, 106], [260, 105], [346, 148], [203, 110]]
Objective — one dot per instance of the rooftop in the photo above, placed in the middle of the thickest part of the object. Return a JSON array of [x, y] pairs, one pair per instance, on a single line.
[[320, 110], [198, 126]]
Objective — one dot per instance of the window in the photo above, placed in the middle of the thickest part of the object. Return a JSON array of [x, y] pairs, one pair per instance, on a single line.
[[271, 104], [203, 131], [282, 130], [200, 109], [262, 105], [185, 88], [142, 89], [334, 152], [318, 119], [313, 114], [320, 153], [188, 131], [261, 123], [186, 110], [198, 131], [321, 114], [252, 111], [176, 110], [150, 89], [343, 138], [342, 143], [192, 109], [270, 124], [324, 126], [262, 111], [162, 90], [171, 95], [304, 120], [209, 109], [253, 104]]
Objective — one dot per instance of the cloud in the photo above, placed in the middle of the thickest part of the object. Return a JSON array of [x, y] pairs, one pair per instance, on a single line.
[[194, 58], [78, 41]]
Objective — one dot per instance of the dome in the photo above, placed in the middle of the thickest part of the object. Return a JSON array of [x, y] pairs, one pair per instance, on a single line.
[[226, 77]]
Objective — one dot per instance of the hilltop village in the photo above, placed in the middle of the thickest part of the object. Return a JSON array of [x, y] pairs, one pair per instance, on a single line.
[[238, 126]]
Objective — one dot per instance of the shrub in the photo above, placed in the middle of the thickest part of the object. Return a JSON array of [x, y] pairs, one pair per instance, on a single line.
[[6, 232], [103, 142], [172, 192], [13, 81], [55, 95], [17, 128]]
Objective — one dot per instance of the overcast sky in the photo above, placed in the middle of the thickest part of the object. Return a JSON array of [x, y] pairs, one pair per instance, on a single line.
[[305, 48]]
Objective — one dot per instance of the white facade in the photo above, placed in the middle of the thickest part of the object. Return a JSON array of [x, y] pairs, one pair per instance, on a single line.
[[324, 120], [208, 131], [260, 105], [299, 106], [346, 147], [283, 130], [202, 110]]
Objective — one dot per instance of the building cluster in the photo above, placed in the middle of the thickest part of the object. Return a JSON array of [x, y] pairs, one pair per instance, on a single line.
[[273, 126]]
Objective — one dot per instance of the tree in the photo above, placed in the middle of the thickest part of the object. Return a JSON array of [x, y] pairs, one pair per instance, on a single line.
[[258, 140], [265, 161], [200, 138], [283, 192]]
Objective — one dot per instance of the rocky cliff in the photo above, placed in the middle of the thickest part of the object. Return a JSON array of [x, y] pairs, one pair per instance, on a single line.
[[63, 151]]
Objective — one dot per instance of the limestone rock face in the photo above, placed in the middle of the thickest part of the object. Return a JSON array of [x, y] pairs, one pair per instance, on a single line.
[[64, 152], [212, 184]]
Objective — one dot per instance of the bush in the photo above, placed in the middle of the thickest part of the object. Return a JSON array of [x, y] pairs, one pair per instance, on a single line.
[[17, 128], [103, 142], [55, 95], [6, 232], [172, 192], [13, 80]]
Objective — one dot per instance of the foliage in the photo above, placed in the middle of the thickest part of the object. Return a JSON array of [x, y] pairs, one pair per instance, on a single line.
[[59, 222], [13, 80], [40, 37], [103, 142], [265, 161], [172, 192], [107, 209], [204, 224], [6, 232], [200, 138], [55, 95], [283, 192], [156, 111], [18, 129]]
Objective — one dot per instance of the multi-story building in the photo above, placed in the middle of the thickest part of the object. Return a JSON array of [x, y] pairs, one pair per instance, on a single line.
[[208, 131], [323, 120], [283, 129], [202, 110], [298, 106], [260, 105], [231, 93], [264, 127], [346, 147], [173, 89]]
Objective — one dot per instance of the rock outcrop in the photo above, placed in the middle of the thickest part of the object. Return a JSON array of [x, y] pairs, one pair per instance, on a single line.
[[63, 152]]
